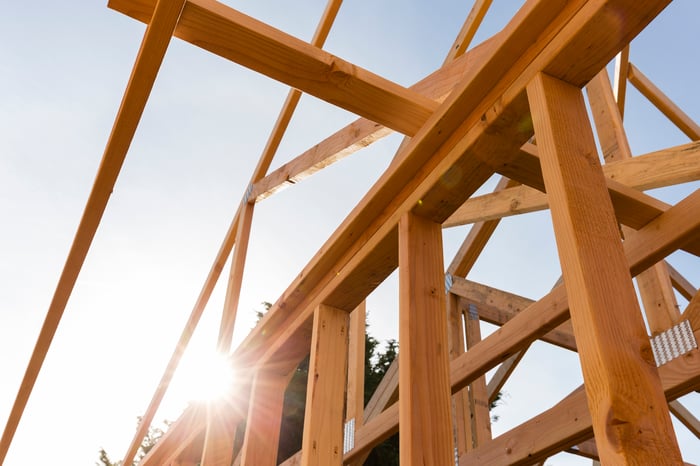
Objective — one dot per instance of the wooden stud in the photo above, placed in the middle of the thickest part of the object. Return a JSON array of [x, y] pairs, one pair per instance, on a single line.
[[224, 31], [322, 444], [620, 78], [355, 403], [663, 103], [460, 400], [685, 416], [424, 394], [469, 28], [624, 393], [658, 169], [262, 432], [233, 289], [478, 395], [680, 283]]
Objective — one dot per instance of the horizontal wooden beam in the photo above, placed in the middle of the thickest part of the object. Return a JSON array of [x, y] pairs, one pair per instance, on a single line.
[[532, 323], [569, 421], [498, 307], [680, 164], [232, 35], [441, 167]]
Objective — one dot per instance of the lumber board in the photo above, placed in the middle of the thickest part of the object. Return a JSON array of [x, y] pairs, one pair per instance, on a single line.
[[532, 323], [363, 132], [463, 430], [235, 279], [624, 393], [230, 34], [355, 396], [330, 271], [675, 165], [478, 394], [322, 442], [622, 61], [685, 416], [661, 101], [497, 307], [424, 409], [150, 56], [569, 421], [680, 283]]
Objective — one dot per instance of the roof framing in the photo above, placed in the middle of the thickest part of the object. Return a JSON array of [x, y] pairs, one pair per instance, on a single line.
[[467, 121]]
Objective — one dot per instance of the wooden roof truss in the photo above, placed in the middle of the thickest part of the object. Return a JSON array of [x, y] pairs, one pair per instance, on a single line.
[[513, 105]]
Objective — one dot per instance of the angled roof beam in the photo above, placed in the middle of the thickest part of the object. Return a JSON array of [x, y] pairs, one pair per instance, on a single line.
[[363, 132], [151, 53], [232, 35], [545, 35]]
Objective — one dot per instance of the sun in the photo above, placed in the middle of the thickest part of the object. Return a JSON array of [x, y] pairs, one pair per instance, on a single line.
[[206, 376]]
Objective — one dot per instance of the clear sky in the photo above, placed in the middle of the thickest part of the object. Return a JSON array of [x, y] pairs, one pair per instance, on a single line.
[[63, 70]]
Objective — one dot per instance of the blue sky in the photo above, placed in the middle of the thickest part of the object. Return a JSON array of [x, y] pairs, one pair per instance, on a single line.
[[63, 69]]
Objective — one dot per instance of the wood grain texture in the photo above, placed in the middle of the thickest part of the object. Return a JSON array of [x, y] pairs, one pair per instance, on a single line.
[[654, 284], [622, 61], [680, 164], [232, 35], [322, 443], [628, 408], [424, 409]]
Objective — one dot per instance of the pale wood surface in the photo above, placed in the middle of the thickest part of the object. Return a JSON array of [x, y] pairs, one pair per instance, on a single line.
[[658, 169], [150, 56], [355, 402], [661, 101], [620, 78], [262, 48], [630, 416], [424, 410], [478, 394], [322, 443]]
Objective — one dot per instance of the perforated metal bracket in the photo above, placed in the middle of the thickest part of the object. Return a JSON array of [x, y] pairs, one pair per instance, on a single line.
[[349, 436], [673, 343], [448, 282]]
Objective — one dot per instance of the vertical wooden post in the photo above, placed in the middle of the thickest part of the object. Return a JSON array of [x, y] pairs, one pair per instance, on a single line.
[[630, 417], [262, 432], [460, 400], [355, 404], [425, 431], [322, 444], [478, 395]]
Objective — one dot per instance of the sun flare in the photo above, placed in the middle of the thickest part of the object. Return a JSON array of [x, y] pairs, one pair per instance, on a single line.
[[207, 377]]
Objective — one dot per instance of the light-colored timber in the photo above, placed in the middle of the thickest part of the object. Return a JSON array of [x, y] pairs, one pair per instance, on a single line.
[[511, 107]]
